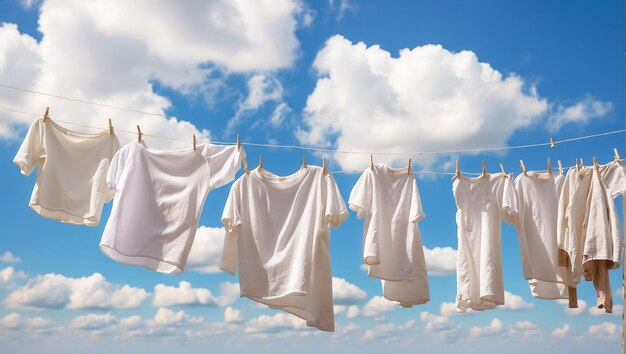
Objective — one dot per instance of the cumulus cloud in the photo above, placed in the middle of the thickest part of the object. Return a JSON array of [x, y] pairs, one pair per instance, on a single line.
[[17, 322], [270, 324], [605, 330], [440, 325], [8, 277], [440, 260], [93, 321], [515, 302], [345, 293], [341, 7], [560, 332], [595, 311], [377, 306], [582, 307], [388, 331], [261, 89], [232, 315], [581, 112], [525, 329], [56, 291], [9, 257], [206, 250], [364, 96], [186, 295], [125, 50], [494, 327]]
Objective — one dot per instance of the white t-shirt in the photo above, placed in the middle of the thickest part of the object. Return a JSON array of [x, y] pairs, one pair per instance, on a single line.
[[538, 199], [571, 220], [158, 201], [392, 245], [71, 182], [481, 204], [278, 231]]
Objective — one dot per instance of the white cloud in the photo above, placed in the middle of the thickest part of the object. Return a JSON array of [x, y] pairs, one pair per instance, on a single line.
[[619, 292], [450, 309], [261, 88], [494, 327], [595, 311], [93, 321], [278, 322], [9, 257], [279, 113], [440, 260], [526, 329], [8, 277], [377, 306], [582, 307], [125, 48], [581, 112], [515, 302], [345, 293], [388, 331], [440, 325], [167, 317], [206, 250], [561, 331], [353, 311], [186, 295], [364, 96], [17, 322], [55, 291], [232, 315], [605, 330], [341, 7]]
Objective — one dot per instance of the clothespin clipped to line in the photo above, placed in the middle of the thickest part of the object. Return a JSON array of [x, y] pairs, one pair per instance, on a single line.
[[324, 169], [549, 167], [194, 141], [503, 171], [303, 162], [596, 165], [560, 166], [245, 160], [457, 174], [371, 162], [552, 143], [523, 167], [409, 170], [484, 173], [260, 162], [110, 127], [45, 115], [139, 134], [616, 156]]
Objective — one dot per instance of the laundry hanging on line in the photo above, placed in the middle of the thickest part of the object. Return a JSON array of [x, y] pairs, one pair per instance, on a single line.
[[171, 206]]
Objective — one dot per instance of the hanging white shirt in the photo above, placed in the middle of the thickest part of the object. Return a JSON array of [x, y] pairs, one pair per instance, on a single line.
[[71, 182], [536, 225], [392, 246], [158, 201], [278, 231], [481, 204]]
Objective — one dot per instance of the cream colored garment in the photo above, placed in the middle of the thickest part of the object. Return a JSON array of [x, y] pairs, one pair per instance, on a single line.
[[536, 225], [392, 245], [71, 182]]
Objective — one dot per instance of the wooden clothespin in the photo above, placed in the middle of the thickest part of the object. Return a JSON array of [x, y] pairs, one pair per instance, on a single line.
[[549, 167], [457, 174], [616, 156], [596, 165], [582, 164], [484, 173], [194, 141], [260, 162], [371, 162], [409, 169], [552, 143], [110, 127], [560, 166], [324, 170], [245, 160], [502, 168], [521, 164], [303, 162], [45, 115], [238, 143], [139, 134], [577, 165]]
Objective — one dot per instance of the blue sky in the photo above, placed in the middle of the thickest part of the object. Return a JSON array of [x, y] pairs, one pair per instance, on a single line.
[[404, 76]]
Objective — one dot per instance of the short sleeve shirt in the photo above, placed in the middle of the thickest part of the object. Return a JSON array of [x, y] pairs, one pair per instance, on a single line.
[[71, 182], [158, 201], [277, 232]]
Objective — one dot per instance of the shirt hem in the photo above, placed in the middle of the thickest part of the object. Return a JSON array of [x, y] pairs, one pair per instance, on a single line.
[[152, 263], [65, 217], [292, 310]]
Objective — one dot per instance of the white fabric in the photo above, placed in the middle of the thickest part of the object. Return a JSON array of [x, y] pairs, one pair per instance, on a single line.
[[571, 220], [71, 182], [392, 245], [159, 199], [278, 231], [614, 177], [537, 199], [481, 204]]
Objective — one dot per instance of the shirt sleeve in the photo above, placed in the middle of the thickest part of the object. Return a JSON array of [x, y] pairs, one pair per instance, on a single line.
[[336, 211], [231, 218], [417, 212], [361, 195], [110, 192], [224, 162], [509, 200], [116, 167], [31, 153]]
